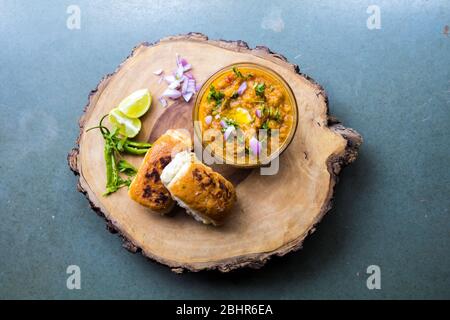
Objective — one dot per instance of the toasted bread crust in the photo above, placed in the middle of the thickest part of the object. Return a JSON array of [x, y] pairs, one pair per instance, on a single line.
[[206, 193], [147, 188]]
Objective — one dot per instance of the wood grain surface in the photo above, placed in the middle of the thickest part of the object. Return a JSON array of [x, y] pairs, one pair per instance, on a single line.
[[273, 214]]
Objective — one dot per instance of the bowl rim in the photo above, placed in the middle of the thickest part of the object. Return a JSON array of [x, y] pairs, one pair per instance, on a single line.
[[202, 91]]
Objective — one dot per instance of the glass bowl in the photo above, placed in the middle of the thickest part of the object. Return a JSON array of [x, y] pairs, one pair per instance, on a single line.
[[248, 66]]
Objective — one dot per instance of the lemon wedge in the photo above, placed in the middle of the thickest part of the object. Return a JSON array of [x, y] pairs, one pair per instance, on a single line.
[[136, 104], [128, 127], [240, 115]]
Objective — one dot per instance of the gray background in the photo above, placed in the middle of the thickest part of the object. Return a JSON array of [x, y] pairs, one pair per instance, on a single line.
[[391, 207]]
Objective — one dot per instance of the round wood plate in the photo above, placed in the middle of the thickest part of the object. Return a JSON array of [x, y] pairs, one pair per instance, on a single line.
[[273, 214]]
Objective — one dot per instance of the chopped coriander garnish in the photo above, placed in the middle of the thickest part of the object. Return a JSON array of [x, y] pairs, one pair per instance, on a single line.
[[215, 95], [231, 122], [240, 75], [237, 73], [259, 89], [272, 113], [277, 115]]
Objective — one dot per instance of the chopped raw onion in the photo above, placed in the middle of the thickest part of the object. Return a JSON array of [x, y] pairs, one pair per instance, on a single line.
[[208, 120], [191, 85], [223, 123], [255, 146], [183, 62], [187, 96], [187, 67], [170, 79], [242, 88], [228, 131], [174, 85], [179, 72], [258, 113], [158, 72], [171, 93], [163, 102], [179, 79], [184, 87]]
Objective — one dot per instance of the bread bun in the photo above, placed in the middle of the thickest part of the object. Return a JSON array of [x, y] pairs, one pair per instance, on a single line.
[[205, 194], [147, 188]]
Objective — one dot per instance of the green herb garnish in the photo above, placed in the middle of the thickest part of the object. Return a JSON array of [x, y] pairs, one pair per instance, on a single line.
[[237, 73], [265, 126], [277, 115], [272, 113], [259, 89], [231, 122], [215, 95], [240, 75], [126, 167]]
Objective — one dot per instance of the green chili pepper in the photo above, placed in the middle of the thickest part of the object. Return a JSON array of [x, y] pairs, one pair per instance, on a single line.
[[114, 145], [126, 167], [133, 150], [108, 157], [139, 144]]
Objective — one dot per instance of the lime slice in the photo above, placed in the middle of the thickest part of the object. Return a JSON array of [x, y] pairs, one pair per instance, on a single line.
[[136, 104], [127, 126], [240, 115]]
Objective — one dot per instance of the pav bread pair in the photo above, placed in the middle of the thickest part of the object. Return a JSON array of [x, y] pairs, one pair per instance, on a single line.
[[170, 172]]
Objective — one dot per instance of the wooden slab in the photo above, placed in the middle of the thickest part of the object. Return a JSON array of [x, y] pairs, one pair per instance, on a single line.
[[273, 214]]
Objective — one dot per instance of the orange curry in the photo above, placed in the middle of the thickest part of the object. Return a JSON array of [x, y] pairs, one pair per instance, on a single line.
[[244, 101]]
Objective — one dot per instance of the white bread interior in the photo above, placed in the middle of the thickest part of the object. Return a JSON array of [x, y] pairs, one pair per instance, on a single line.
[[175, 170]]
